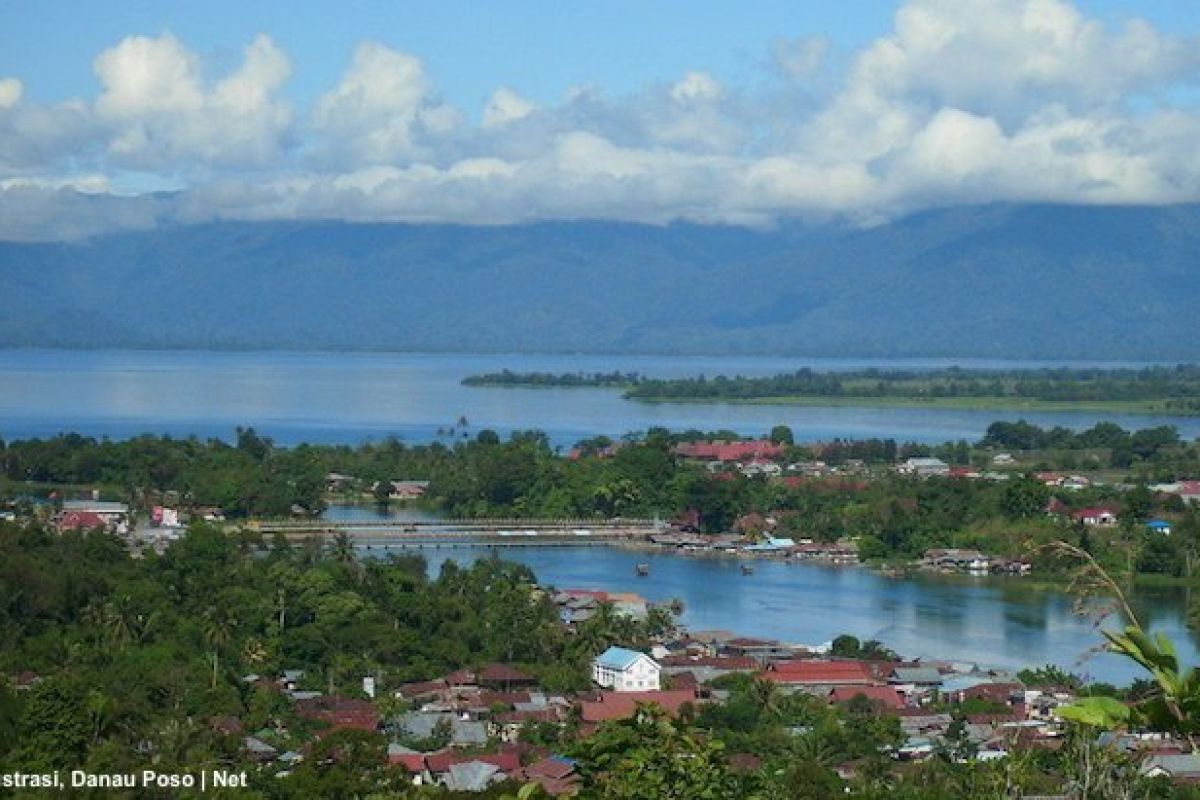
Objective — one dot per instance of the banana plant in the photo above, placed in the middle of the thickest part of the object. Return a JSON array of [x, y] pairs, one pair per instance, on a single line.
[[1174, 704]]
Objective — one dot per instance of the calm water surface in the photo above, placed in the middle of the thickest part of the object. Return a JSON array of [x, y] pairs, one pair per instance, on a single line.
[[351, 397], [991, 621]]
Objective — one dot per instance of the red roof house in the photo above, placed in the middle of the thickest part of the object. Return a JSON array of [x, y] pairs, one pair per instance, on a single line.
[[885, 695], [623, 705], [810, 672]]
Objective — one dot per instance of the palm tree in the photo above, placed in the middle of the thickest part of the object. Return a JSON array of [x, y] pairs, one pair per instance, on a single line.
[[99, 709], [219, 628], [766, 696]]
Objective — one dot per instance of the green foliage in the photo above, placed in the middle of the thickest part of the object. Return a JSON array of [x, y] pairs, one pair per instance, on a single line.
[[650, 758]]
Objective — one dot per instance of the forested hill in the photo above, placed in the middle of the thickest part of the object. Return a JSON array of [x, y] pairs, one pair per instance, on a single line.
[[994, 281]]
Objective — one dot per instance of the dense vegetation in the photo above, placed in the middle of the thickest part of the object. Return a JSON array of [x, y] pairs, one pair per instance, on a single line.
[[137, 657], [892, 516], [1178, 388], [139, 662]]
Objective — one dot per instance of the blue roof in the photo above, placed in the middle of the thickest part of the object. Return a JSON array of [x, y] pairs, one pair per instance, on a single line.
[[1158, 523], [618, 658]]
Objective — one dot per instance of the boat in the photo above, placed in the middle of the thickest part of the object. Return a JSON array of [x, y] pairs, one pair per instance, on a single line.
[[642, 570], [747, 569]]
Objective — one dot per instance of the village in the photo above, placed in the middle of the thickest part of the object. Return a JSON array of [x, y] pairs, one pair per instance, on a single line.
[[473, 728]]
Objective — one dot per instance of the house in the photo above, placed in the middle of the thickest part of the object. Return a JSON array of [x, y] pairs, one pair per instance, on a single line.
[[93, 514], [405, 490], [336, 482], [771, 544], [1003, 460], [923, 677], [706, 668], [1099, 516], [843, 672], [964, 473], [761, 466], [956, 559], [425, 725], [761, 650], [840, 552], [924, 467], [1160, 526], [503, 677], [626, 671], [887, 696], [1178, 767], [341, 713], [623, 705], [555, 774], [727, 452]]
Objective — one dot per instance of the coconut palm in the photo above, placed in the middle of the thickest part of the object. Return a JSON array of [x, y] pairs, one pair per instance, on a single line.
[[219, 629]]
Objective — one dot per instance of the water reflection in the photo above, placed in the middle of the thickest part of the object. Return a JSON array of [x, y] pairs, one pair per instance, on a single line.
[[345, 398], [990, 622]]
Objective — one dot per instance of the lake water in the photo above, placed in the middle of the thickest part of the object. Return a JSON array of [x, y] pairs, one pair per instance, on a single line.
[[347, 398], [997, 622]]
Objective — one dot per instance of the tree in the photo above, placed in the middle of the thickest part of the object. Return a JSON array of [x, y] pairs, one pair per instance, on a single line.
[[219, 627], [650, 758], [782, 434], [1023, 498]]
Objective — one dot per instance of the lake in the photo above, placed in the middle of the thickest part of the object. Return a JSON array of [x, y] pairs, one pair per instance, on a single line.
[[346, 398]]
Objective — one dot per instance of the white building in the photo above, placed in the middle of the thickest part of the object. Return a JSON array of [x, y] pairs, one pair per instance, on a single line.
[[924, 467], [626, 671]]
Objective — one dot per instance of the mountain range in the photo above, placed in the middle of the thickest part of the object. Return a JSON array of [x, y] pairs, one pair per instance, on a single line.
[[996, 281]]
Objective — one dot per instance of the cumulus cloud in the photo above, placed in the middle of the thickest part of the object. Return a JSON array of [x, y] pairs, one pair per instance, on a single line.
[[158, 112], [963, 101], [382, 110], [506, 106]]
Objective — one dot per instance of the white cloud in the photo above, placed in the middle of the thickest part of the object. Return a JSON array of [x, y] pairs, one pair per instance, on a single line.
[[159, 113], [382, 109], [505, 106], [696, 86], [963, 101], [10, 92]]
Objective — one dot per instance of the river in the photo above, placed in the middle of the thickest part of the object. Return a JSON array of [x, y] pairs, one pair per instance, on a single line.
[[345, 398], [995, 622]]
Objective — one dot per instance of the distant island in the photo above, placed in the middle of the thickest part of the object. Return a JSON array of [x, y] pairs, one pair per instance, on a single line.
[[1161, 390], [604, 380]]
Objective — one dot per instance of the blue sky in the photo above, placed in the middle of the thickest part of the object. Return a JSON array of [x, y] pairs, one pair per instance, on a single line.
[[539, 48], [503, 112]]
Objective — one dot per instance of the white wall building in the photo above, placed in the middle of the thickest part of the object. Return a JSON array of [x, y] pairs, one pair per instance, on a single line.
[[626, 671]]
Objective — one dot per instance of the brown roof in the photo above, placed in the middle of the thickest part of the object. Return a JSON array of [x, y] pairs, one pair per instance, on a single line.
[[442, 760], [887, 695], [503, 673], [340, 712], [741, 663], [623, 705], [819, 672]]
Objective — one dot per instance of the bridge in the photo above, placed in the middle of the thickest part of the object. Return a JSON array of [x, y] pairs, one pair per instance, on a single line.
[[468, 532]]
